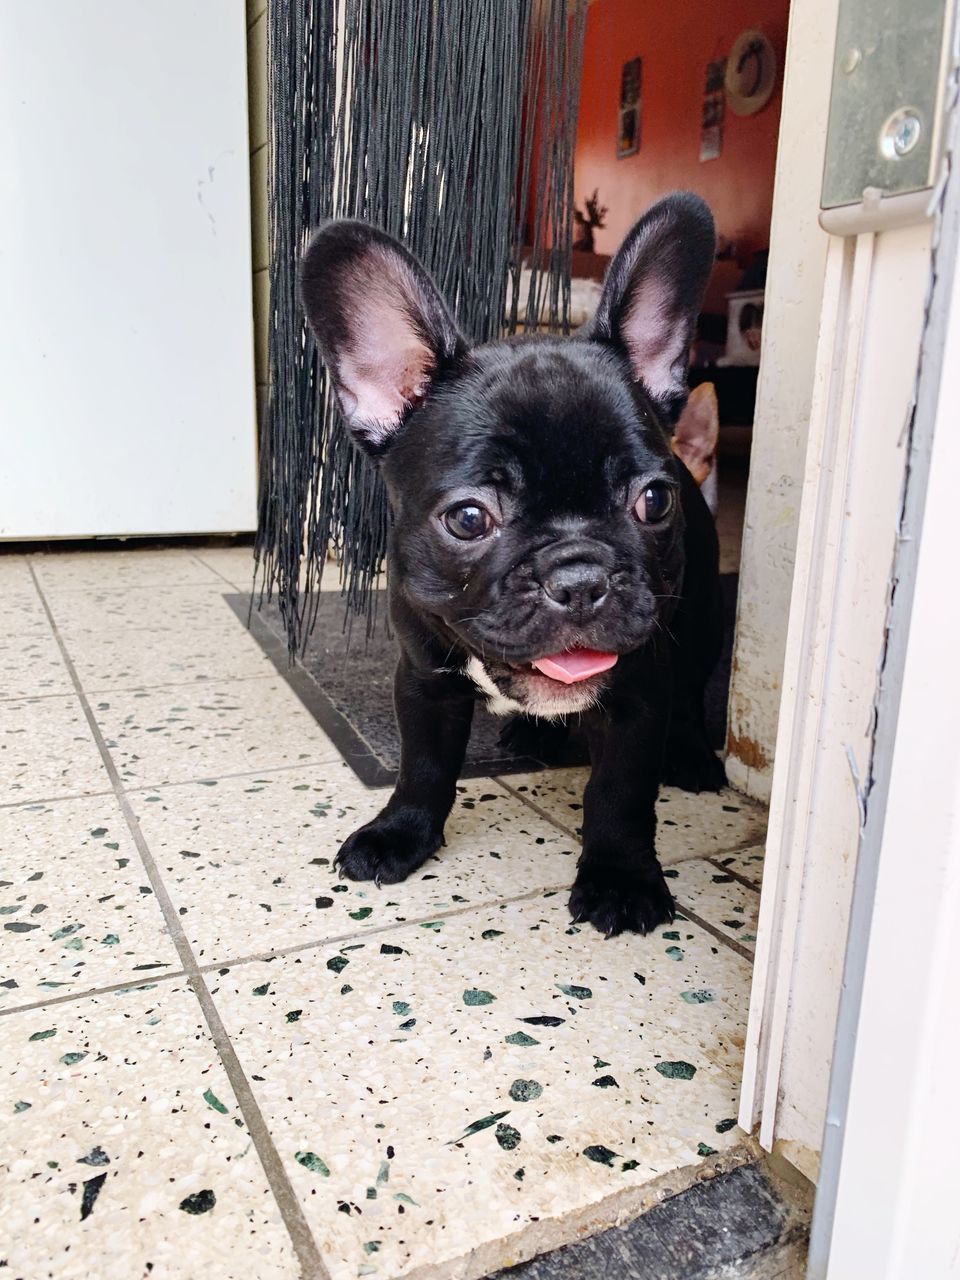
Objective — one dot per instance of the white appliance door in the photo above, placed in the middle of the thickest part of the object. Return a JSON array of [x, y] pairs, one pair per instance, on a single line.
[[126, 343]]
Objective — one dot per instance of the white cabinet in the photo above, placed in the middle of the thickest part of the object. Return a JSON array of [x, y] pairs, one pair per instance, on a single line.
[[126, 347]]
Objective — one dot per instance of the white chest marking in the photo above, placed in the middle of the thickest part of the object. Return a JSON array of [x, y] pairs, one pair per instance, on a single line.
[[497, 703]]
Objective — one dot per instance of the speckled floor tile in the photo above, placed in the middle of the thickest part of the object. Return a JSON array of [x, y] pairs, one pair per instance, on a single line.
[[124, 1151], [688, 826], [119, 570], [719, 899], [76, 908], [127, 659], [192, 607], [14, 574], [46, 749], [22, 613], [31, 663], [177, 733], [248, 861], [748, 863], [234, 564], [435, 1093]]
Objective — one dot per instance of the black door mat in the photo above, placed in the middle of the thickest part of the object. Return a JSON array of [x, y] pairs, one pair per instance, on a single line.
[[346, 682], [740, 1224]]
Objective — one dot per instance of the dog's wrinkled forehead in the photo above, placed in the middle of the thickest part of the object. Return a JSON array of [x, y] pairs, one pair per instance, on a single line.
[[554, 421]]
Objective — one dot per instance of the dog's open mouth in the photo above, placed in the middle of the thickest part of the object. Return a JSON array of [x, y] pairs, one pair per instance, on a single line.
[[573, 665]]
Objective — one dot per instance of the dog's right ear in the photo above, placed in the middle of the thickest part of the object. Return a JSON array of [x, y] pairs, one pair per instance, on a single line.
[[695, 439], [697, 432], [383, 330]]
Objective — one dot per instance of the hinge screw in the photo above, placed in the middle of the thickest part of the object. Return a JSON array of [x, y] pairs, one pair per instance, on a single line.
[[900, 134]]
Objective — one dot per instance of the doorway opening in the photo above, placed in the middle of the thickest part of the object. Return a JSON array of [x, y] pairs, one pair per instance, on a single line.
[[668, 101]]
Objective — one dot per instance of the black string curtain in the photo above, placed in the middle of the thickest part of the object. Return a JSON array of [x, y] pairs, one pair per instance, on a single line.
[[450, 124]]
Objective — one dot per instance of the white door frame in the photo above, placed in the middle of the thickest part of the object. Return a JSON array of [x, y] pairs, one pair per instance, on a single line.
[[871, 330], [867, 774], [886, 1202], [791, 323]]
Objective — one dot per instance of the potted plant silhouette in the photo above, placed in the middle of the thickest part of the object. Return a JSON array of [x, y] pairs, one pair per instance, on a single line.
[[588, 222]]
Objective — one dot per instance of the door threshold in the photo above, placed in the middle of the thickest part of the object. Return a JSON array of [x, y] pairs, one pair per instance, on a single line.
[[746, 1224]]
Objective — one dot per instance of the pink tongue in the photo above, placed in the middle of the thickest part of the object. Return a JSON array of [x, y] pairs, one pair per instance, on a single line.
[[575, 664]]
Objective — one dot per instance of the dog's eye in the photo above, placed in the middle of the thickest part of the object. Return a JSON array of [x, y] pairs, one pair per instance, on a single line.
[[654, 504], [468, 521]]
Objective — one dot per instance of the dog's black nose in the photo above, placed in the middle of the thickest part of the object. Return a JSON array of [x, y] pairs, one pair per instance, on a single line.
[[578, 585]]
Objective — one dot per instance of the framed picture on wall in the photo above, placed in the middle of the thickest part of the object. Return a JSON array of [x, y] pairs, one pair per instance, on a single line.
[[711, 127], [631, 88]]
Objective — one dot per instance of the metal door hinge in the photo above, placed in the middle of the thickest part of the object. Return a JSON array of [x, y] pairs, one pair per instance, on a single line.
[[894, 80]]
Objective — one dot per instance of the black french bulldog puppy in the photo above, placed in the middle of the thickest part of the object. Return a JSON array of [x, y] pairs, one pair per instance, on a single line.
[[548, 551]]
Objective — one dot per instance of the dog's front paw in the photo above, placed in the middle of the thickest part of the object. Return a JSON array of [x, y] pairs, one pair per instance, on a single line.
[[616, 900], [691, 764], [389, 848]]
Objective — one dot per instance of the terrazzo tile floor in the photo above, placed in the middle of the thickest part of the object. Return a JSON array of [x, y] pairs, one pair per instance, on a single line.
[[219, 1060]]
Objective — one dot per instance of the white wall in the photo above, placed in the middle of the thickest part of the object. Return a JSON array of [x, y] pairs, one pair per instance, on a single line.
[[126, 344]]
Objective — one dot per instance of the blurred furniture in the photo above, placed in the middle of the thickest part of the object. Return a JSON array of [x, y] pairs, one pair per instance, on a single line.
[[744, 319]]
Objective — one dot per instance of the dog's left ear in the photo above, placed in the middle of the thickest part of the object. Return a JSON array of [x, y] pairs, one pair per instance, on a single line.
[[384, 332], [652, 294]]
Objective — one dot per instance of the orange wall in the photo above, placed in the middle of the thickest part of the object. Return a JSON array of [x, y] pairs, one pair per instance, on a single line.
[[676, 39]]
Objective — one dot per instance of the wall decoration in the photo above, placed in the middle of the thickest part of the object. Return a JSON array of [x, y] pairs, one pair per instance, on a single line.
[[751, 73], [744, 326], [711, 127], [631, 86]]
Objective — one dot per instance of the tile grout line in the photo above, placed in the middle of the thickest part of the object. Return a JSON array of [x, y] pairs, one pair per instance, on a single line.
[[269, 955], [137, 688], [714, 932], [68, 797], [712, 859], [279, 953], [339, 940], [532, 804], [304, 1245], [180, 684], [199, 781], [35, 697], [222, 576], [695, 857], [295, 675], [209, 585], [90, 993]]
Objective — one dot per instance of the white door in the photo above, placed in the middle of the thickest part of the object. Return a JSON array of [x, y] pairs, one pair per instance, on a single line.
[[126, 347]]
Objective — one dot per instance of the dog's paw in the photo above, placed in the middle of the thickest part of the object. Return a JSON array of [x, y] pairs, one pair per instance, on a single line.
[[692, 765], [615, 900], [388, 849]]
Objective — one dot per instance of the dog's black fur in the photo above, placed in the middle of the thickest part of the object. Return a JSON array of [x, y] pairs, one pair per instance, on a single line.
[[544, 450]]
